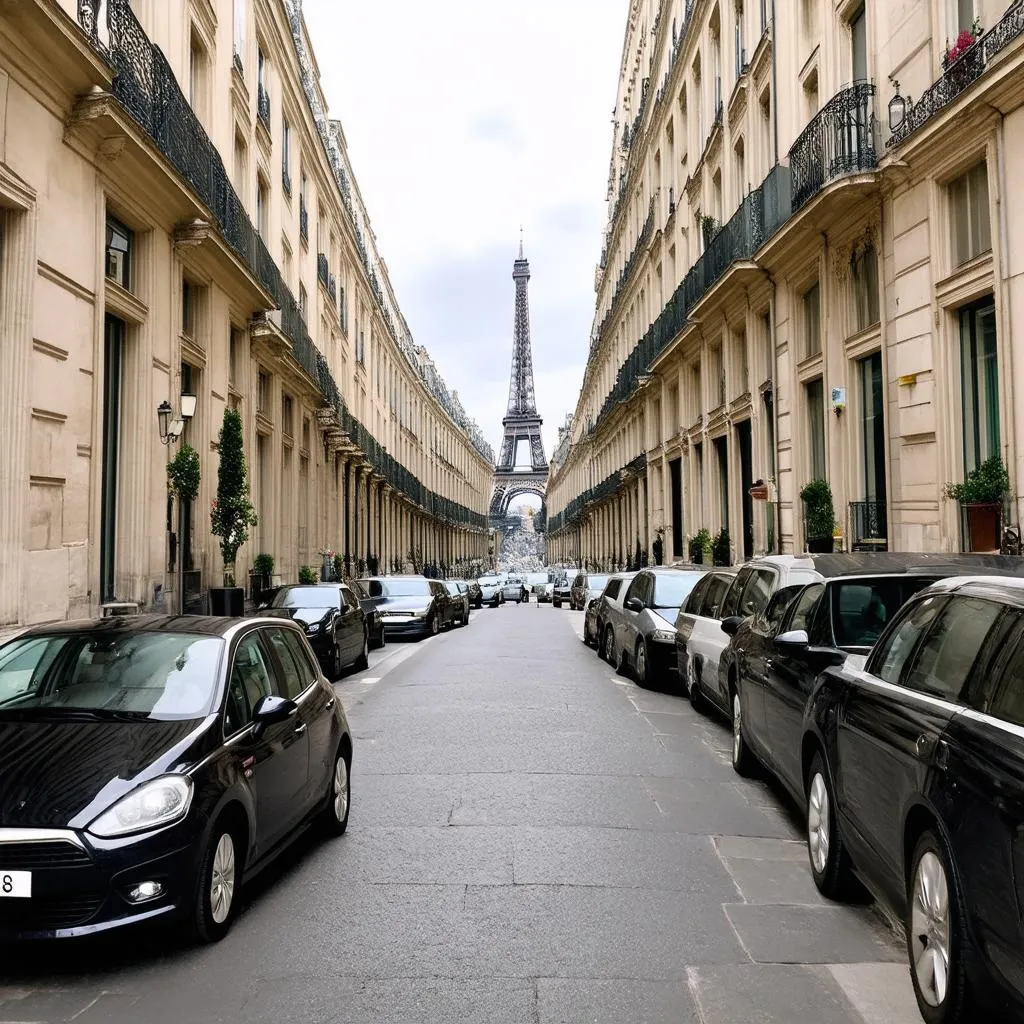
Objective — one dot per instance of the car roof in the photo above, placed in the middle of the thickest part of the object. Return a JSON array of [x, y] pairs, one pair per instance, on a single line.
[[203, 625], [866, 562], [676, 570], [1009, 589]]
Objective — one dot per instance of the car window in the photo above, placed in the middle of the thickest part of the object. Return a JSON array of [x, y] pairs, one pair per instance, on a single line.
[[861, 609], [778, 604], [291, 677], [306, 597], [251, 672], [1007, 703], [350, 599], [303, 656], [672, 589], [756, 593], [595, 582], [612, 590], [716, 595], [237, 713], [640, 588], [895, 650], [732, 598], [805, 606], [24, 664], [944, 661], [696, 598]]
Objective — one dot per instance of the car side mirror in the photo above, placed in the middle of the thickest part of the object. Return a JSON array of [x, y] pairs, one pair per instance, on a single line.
[[633, 604], [794, 638], [828, 656], [270, 710], [731, 625]]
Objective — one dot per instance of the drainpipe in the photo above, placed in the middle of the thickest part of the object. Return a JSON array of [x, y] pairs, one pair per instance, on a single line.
[[775, 110]]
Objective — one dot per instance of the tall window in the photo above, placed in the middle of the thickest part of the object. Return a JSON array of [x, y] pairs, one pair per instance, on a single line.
[[286, 155], [240, 15], [113, 370], [859, 45], [287, 424], [816, 428], [741, 53], [262, 209], [188, 309], [979, 382], [865, 287], [872, 401], [343, 306], [119, 253], [964, 14], [303, 303], [263, 392], [241, 166], [812, 320], [968, 198], [197, 71]]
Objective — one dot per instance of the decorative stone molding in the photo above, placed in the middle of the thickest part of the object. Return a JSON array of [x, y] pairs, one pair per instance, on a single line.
[[112, 148], [843, 255], [192, 233]]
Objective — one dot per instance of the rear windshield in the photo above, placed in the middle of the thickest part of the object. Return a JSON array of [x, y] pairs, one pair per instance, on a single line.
[[672, 591], [861, 609], [597, 582], [306, 597], [147, 675], [397, 588]]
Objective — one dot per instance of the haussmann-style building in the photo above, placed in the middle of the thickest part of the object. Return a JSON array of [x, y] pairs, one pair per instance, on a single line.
[[813, 269], [179, 224]]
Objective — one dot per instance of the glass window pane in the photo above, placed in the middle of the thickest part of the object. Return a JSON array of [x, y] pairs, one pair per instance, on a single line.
[[805, 607], [981, 233], [951, 648], [292, 678], [859, 39], [816, 427], [251, 671], [903, 640], [959, 218]]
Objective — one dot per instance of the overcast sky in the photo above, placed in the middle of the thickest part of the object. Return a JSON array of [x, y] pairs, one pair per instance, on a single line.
[[466, 119]]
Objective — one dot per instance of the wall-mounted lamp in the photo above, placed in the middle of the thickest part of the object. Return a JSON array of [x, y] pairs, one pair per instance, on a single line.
[[898, 106], [172, 429]]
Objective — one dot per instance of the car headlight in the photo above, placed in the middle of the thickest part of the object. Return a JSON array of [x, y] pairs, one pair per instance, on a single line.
[[421, 614], [160, 802], [665, 636]]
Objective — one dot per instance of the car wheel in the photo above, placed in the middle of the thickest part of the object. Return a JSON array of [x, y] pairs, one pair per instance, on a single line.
[[382, 639], [586, 633], [339, 797], [556, 604], [336, 666], [830, 864], [608, 647], [433, 627], [219, 876], [362, 663], [742, 758], [939, 949], [693, 675], [640, 662]]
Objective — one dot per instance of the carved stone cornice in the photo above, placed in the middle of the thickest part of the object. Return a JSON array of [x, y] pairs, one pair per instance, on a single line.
[[192, 233], [869, 236]]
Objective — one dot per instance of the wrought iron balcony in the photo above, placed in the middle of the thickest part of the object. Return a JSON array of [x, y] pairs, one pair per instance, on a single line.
[[263, 105], [868, 526], [961, 73], [839, 140], [303, 220], [323, 271]]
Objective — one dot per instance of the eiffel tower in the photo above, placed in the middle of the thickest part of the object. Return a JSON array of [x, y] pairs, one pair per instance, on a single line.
[[522, 422]]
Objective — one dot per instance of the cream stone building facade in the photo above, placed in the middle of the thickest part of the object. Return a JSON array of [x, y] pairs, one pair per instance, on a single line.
[[178, 217], [813, 267]]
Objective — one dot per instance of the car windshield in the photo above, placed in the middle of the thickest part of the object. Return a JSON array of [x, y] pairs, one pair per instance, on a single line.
[[536, 578], [397, 588], [861, 608], [306, 597], [670, 591], [597, 582], [151, 675], [453, 588]]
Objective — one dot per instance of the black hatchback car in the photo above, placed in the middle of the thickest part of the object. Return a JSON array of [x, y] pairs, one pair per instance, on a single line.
[[149, 766], [411, 605], [333, 620], [914, 767]]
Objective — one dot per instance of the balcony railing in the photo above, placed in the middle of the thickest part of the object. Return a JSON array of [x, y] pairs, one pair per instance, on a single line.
[[961, 74], [303, 220], [323, 271], [868, 526], [839, 140], [146, 87], [263, 105]]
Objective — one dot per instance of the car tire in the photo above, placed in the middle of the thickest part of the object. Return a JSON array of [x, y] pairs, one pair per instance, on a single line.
[[214, 900], [334, 816], [693, 674], [743, 761], [608, 646], [826, 851], [586, 634], [640, 663], [433, 626], [556, 604], [942, 983], [335, 662], [362, 663]]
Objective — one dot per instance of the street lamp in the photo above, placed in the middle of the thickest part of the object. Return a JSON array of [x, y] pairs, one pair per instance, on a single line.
[[163, 418], [170, 431], [897, 107]]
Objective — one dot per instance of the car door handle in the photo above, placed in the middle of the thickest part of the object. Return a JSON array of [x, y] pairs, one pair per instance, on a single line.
[[768, 663], [925, 745], [330, 704], [300, 729]]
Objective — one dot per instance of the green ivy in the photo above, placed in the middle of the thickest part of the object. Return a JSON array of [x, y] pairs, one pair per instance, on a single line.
[[183, 474]]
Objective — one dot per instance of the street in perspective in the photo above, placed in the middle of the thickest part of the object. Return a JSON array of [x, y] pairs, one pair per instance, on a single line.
[[625, 628]]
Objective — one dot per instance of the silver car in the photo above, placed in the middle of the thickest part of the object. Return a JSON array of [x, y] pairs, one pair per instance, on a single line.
[[607, 605], [490, 589]]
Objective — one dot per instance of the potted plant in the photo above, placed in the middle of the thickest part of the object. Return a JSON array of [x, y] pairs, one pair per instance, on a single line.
[[722, 548], [326, 564], [709, 227], [307, 575], [981, 496], [260, 579], [700, 546], [963, 43], [233, 514], [820, 516]]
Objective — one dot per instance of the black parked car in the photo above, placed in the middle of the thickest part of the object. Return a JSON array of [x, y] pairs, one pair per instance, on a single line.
[[149, 766], [333, 620], [561, 593], [476, 595], [915, 780], [410, 605], [458, 594], [371, 609]]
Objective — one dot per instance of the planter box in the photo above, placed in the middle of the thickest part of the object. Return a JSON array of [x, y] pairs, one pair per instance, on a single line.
[[820, 545], [982, 522]]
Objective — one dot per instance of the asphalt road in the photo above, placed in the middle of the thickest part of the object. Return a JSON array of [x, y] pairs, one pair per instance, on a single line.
[[532, 839]]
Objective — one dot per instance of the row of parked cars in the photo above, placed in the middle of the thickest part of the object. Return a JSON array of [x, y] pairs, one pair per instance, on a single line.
[[886, 693]]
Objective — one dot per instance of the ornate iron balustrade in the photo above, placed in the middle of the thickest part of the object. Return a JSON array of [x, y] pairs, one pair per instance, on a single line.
[[323, 272], [303, 220], [961, 74], [838, 140], [869, 529], [146, 87], [263, 105]]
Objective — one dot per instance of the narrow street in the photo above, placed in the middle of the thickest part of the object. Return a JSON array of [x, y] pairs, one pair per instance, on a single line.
[[533, 839]]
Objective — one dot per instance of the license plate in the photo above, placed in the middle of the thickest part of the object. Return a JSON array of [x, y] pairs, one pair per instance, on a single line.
[[16, 884]]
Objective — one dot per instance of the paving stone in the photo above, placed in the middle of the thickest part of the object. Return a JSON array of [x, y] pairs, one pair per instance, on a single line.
[[590, 1001], [745, 848], [811, 935], [881, 993], [775, 881]]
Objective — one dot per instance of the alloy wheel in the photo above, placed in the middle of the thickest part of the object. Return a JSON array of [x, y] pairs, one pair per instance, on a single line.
[[609, 646], [640, 662], [737, 729], [930, 929], [222, 879], [340, 802], [818, 823]]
